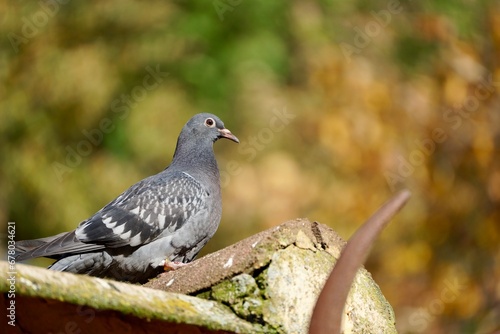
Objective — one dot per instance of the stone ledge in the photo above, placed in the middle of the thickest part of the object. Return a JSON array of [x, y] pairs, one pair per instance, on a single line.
[[268, 283]]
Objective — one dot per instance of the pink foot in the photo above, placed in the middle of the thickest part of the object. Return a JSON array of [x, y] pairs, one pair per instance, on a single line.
[[168, 265]]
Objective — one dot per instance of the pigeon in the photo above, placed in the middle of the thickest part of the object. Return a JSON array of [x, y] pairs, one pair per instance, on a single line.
[[160, 223]]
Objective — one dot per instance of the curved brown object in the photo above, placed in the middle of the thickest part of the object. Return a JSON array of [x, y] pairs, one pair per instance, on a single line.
[[327, 314]]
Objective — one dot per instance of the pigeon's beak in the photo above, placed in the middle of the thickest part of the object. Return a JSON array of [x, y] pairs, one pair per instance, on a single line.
[[225, 133]]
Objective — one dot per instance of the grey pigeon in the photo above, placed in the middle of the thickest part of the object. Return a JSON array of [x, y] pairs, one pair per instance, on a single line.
[[160, 222]]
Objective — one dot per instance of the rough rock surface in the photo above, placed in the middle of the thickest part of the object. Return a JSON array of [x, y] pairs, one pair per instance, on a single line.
[[48, 301], [267, 283], [273, 278]]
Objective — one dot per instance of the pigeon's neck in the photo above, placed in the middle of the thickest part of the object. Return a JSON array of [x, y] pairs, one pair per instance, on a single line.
[[196, 159]]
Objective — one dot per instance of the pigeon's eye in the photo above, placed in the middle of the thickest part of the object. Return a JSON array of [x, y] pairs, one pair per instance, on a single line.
[[210, 122]]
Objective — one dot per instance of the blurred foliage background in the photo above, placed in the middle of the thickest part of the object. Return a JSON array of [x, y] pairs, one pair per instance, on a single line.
[[337, 105]]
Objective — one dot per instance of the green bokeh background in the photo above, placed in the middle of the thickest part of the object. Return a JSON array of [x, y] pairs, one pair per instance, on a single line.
[[380, 95]]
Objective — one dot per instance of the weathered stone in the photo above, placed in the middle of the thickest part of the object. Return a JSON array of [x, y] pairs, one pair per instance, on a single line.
[[50, 301], [242, 294], [295, 278], [289, 264], [267, 283]]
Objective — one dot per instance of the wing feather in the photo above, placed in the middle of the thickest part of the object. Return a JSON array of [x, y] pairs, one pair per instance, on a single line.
[[136, 217], [144, 211]]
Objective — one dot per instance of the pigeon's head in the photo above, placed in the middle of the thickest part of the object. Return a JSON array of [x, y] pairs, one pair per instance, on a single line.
[[194, 150], [207, 127]]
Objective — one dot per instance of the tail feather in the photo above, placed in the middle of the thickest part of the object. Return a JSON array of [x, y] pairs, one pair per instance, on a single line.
[[55, 247], [24, 246]]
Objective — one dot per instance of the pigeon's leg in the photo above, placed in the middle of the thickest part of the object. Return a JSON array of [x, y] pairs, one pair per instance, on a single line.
[[172, 265]]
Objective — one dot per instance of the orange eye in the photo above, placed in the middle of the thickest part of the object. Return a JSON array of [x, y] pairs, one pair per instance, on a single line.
[[210, 122]]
